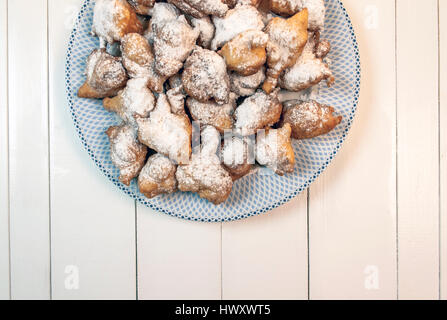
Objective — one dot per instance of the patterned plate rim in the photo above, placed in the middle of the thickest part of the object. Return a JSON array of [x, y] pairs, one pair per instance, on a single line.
[[239, 216]]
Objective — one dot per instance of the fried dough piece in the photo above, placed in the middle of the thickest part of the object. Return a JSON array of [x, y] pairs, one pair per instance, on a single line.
[[290, 7], [201, 8], [257, 112], [160, 14], [106, 76], [309, 69], [236, 21], [176, 82], [309, 119], [287, 40], [237, 157], [135, 100], [274, 150], [204, 174], [139, 61], [233, 3], [286, 7], [166, 132], [128, 155], [211, 113], [245, 53], [176, 99], [157, 176], [206, 29], [142, 6], [205, 76], [322, 49], [173, 43], [112, 19], [246, 86]]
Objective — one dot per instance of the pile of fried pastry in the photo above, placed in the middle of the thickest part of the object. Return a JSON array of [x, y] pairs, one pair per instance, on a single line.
[[216, 63]]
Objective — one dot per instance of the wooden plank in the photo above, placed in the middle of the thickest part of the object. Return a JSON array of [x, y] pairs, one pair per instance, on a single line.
[[443, 135], [92, 222], [177, 259], [352, 216], [28, 142], [265, 257], [4, 188], [418, 153]]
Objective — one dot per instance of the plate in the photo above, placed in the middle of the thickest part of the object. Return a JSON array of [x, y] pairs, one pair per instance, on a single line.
[[254, 194]]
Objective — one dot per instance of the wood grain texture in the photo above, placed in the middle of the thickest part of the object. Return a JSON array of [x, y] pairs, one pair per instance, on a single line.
[[443, 142], [177, 259], [92, 221], [28, 142], [4, 195], [418, 153], [265, 257], [353, 205]]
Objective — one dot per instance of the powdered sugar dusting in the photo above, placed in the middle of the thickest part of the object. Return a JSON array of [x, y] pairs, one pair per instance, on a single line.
[[165, 132], [307, 71], [237, 20], [204, 174], [246, 85], [257, 112], [127, 153], [205, 76], [137, 100]]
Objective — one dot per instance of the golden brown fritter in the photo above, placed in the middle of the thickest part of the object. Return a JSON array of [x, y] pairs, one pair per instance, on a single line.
[[127, 153], [287, 40], [157, 176], [309, 119], [204, 174], [245, 53], [113, 19], [205, 76], [105, 76], [274, 150]]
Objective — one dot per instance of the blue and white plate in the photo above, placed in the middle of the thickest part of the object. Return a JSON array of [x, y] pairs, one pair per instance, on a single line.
[[256, 193]]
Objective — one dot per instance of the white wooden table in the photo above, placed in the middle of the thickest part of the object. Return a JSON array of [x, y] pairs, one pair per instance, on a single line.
[[373, 226]]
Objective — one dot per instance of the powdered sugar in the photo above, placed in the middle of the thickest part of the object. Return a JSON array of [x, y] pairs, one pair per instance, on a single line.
[[246, 86], [309, 119], [257, 112], [201, 8], [204, 174], [307, 71], [173, 43], [205, 76], [211, 113], [158, 176], [105, 73], [161, 13], [237, 20], [274, 150], [127, 153], [165, 132], [315, 7], [112, 18], [137, 100], [206, 29]]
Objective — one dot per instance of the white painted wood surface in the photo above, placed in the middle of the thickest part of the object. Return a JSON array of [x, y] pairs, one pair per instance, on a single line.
[[177, 259], [353, 205], [418, 149], [443, 143], [4, 196], [266, 257], [121, 250], [92, 224], [28, 149]]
